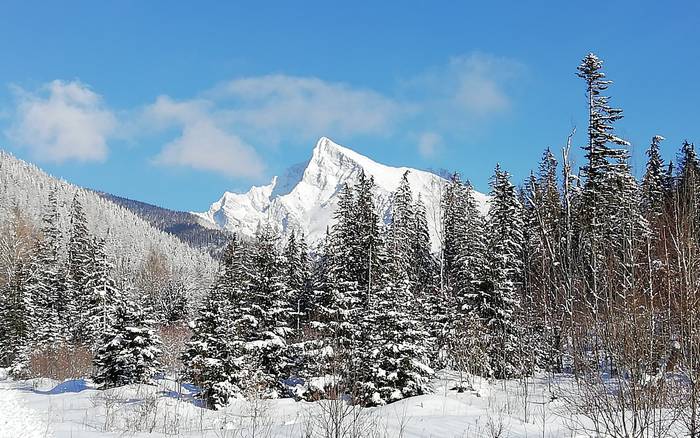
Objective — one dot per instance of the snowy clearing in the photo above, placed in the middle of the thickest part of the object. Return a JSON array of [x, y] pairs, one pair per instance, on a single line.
[[75, 409]]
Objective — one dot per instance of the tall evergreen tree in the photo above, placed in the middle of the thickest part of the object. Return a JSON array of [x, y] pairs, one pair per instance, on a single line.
[[601, 117], [262, 323], [402, 231], [653, 183], [464, 248], [606, 168], [213, 355], [47, 283], [16, 309], [369, 243], [297, 277], [499, 305], [80, 264], [393, 363], [101, 298], [422, 266], [337, 300]]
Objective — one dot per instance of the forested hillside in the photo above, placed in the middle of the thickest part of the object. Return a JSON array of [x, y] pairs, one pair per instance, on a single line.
[[184, 225]]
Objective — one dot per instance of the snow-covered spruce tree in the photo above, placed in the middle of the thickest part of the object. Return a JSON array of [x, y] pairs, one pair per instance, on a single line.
[[80, 265], [401, 235], [336, 300], [129, 349], [443, 304], [211, 355], [469, 268], [15, 319], [262, 318], [408, 238], [423, 264], [345, 262], [100, 299], [393, 358], [464, 247], [653, 183], [429, 301], [16, 307], [296, 271], [47, 283], [367, 251], [354, 272], [499, 305], [464, 261]]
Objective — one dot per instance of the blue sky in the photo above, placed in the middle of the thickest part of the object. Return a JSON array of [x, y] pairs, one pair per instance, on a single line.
[[175, 102]]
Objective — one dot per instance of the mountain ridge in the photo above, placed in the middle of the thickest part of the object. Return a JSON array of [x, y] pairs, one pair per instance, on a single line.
[[189, 228], [305, 197]]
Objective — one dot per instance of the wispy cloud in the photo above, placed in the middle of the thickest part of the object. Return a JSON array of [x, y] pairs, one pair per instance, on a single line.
[[62, 121], [272, 109], [203, 143], [428, 142], [264, 110], [228, 128], [302, 108], [476, 85], [481, 82]]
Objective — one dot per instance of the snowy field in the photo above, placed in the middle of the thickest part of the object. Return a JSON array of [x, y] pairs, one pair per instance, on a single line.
[[48, 408]]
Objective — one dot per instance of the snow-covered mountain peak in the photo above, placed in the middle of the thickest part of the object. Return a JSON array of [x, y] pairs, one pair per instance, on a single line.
[[305, 197]]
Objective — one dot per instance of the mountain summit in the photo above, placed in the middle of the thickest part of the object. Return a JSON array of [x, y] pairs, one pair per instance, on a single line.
[[306, 196]]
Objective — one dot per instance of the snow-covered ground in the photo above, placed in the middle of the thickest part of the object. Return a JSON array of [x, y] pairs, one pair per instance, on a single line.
[[47, 408]]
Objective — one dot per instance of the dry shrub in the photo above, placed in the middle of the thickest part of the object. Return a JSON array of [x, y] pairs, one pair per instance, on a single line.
[[61, 363], [174, 336]]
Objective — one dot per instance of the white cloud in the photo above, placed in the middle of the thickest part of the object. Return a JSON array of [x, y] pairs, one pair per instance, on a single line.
[[227, 128], [475, 85], [263, 110], [62, 121], [202, 144], [304, 108], [481, 82], [428, 142]]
